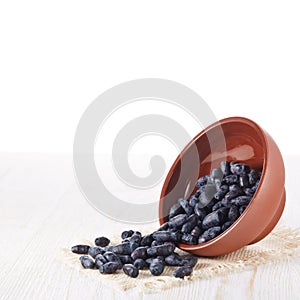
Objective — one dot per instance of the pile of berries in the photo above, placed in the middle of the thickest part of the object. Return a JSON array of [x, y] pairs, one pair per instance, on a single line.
[[135, 253], [219, 200]]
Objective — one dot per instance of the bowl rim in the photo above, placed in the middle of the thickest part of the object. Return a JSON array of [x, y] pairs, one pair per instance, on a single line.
[[235, 119]]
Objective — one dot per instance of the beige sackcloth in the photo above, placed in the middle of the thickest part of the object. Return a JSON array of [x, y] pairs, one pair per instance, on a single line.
[[281, 243]]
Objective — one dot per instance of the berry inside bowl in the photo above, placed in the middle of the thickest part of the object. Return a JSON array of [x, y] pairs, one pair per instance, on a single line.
[[234, 139]]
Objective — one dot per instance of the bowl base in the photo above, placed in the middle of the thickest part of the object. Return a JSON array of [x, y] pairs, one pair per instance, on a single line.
[[274, 220]]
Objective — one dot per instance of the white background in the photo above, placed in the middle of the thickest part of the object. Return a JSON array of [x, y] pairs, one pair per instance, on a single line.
[[242, 57], [57, 56]]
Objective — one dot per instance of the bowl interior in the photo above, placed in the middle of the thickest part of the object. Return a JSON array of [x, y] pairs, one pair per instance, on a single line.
[[232, 139]]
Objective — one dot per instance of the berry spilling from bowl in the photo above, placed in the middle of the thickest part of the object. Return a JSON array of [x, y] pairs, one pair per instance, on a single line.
[[232, 139], [219, 201], [236, 205]]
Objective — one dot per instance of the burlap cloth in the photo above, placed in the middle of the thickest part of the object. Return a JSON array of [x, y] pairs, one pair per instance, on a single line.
[[281, 243]]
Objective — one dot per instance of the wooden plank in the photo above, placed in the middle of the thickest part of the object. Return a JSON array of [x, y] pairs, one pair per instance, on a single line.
[[37, 222]]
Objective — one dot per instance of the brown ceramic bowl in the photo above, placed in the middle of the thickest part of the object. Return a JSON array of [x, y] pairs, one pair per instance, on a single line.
[[246, 142]]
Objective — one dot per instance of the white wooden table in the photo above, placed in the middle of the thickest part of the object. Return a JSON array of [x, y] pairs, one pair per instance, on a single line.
[[42, 210]]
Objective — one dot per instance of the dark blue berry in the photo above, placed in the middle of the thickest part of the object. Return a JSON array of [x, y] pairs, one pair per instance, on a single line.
[[226, 225], [202, 181], [156, 243], [173, 260], [219, 195], [123, 249], [108, 248], [200, 212], [102, 241], [165, 226], [140, 264], [213, 219], [181, 272], [109, 268], [233, 194], [188, 239], [193, 201], [156, 267], [233, 213], [217, 206], [231, 179], [196, 232], [87, 262], [126, 259], [131, 270], [190, 224], [135, 238], [178, 220], [189, 261], [158, 258], [112, 257], [209, 234], [241, 200], [175, 210], [100, 260], [242, 209], [249, 192], [161, 250], [147, 240], [235, 189], [186, 207], [126, 234], [94, 251], [239, 168], [140, 252], [253, 176], [80, 249], [164, 236]]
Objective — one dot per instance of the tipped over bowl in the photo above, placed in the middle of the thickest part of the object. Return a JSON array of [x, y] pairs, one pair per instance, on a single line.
[[231, 139]]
